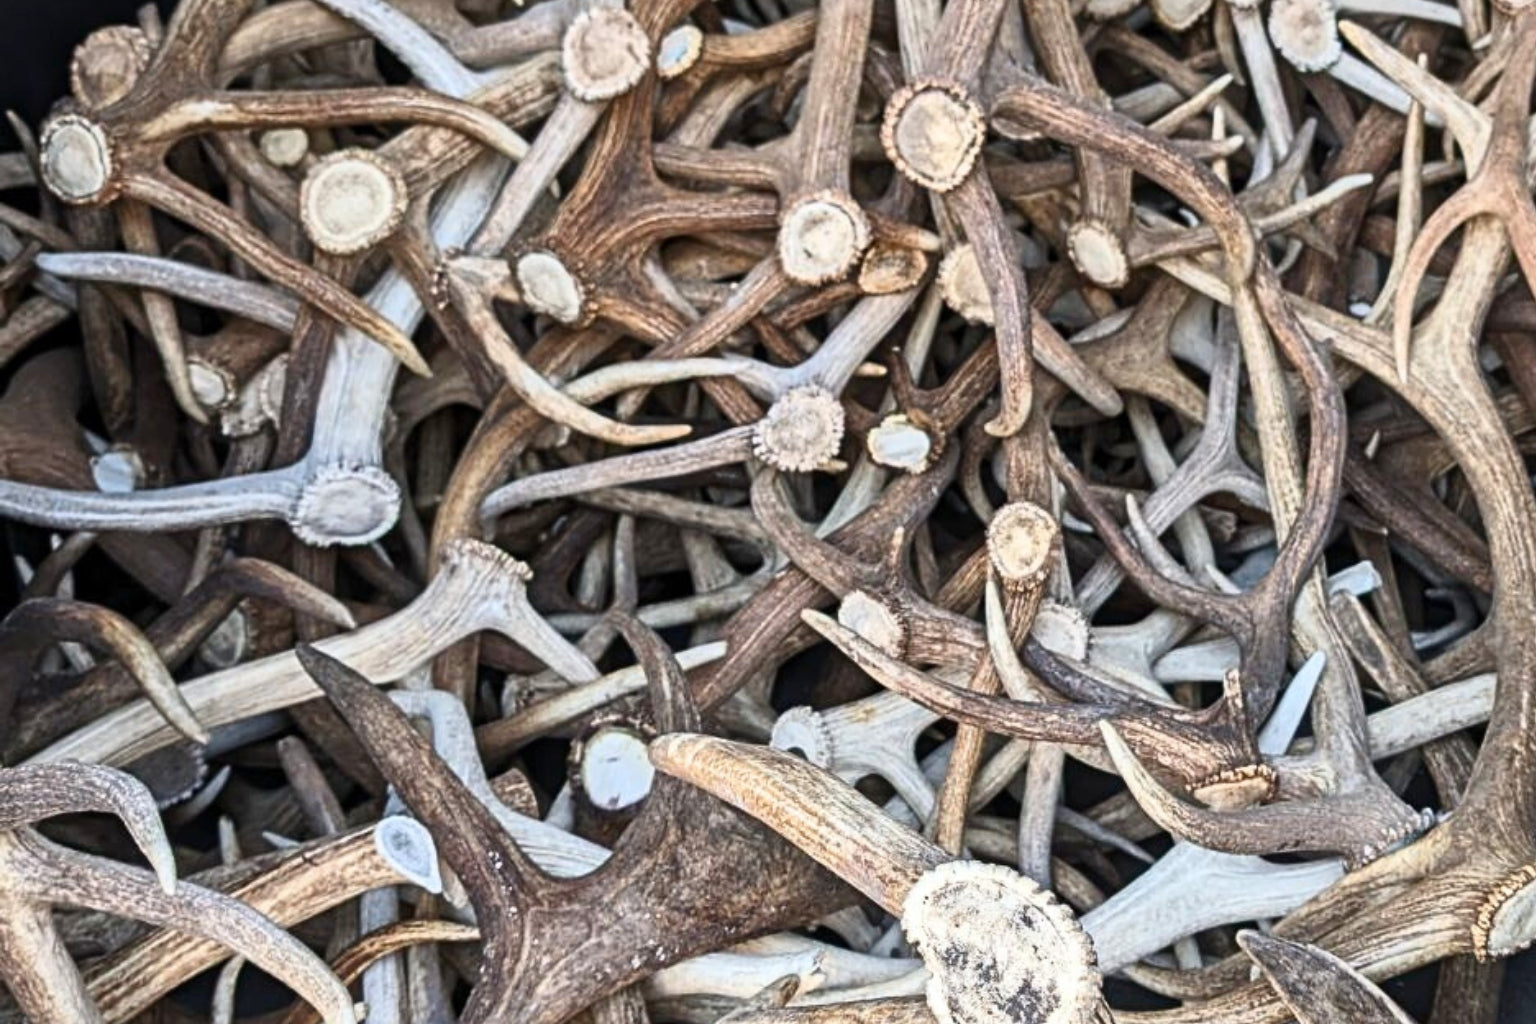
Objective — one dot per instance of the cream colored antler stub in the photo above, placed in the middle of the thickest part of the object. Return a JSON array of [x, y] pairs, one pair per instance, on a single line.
[[351, 200]]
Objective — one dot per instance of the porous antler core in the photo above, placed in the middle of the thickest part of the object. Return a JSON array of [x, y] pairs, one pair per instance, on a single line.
[[118, 470], [107, 64], [1061, 629], [999, 949], [76, 159], [875, 621], [1097, 251], [1020, 539], [800, 431], [1236, 788], [547, 287], [616, 770], [680, 50], [1506, 923], [899, 443], [408, 848], [821, 237], [346, 505], [351, 200], [1179, 15], [1305, 33], [802, 730], [284, 147], [888, 268], [213, 386], [933, 133], [962, 286], [604, 54]]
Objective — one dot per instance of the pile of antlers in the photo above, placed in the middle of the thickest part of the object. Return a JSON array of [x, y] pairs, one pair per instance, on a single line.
[[982, 513]]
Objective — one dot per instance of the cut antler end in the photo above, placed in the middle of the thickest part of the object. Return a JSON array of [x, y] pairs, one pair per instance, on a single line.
[[1020, 539], [900, 442], [933, 132], [875, 620], [1236, 788], [465, 554], [963, 288], [1506, 922], [548, 287], [605, 53], [406, 845], [77, 160], [107, 63], [999, 948], [680, 50], [801, 431], [346, 505], [1097, 250], [284, 147], [1305, 33], [888, 268], [351, 200], [612, 767], [1179, 15], [804, 731], [821, 237]]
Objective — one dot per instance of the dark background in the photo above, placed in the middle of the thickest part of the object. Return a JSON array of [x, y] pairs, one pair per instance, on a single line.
[[35, 50], [36, 44]]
